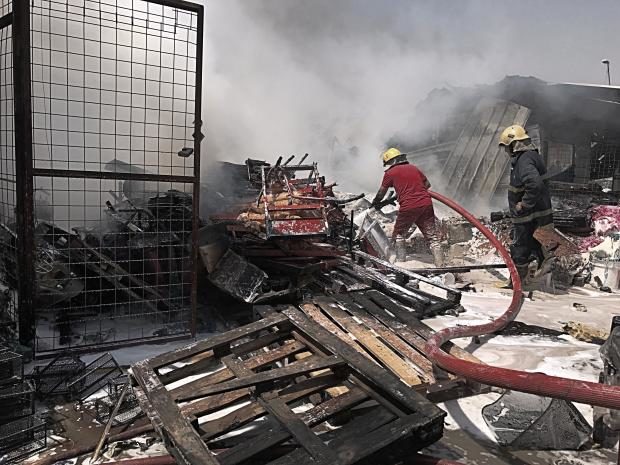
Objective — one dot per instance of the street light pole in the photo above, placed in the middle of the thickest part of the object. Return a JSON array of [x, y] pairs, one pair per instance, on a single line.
[[606, 62]]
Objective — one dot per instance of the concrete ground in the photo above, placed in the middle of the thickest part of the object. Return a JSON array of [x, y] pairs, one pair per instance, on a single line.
[[467, 437]]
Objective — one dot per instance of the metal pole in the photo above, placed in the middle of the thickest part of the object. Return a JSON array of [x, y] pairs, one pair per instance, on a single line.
[[608, 75], [23, 172], [198, 136]]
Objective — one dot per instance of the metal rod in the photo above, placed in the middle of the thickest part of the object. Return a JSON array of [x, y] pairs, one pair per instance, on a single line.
[[24, 199], [351, 234], [197, 158], [289, 159], [106, 431], [6, 20], [55, 173], [302, 159]]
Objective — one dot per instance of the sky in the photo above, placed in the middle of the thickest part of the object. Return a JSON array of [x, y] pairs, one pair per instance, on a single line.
[[287, 77]]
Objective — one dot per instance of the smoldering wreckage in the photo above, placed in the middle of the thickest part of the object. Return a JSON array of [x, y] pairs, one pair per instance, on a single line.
[[337, 364], [317, 338]]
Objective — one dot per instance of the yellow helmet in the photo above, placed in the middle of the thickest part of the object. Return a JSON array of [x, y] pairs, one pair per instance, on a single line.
[[390, 154], [512, 133]]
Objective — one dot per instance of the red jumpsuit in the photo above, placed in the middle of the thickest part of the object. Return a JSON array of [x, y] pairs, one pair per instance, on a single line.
[[416, 206]]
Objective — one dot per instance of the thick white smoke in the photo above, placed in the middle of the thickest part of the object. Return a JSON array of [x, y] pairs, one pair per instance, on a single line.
[[339, 78]]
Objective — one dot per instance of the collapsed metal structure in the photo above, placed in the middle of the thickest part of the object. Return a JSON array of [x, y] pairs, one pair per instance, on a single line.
[[100, 128]]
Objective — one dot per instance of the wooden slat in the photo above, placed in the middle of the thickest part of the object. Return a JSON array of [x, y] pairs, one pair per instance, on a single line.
[[383, 379], [197, 364], [315, 313], [426, 331], [272, 433], [497, 166], [425, 367], [304, 436], [163, 411], [215, 342], [214, 403], [277, 374], [258, 361], [247, 413], [364, 445], [354, 429], [417, 301], [372, 344]]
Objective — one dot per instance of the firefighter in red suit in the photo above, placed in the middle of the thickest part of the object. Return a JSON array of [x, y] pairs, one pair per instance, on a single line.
[[415, 203]]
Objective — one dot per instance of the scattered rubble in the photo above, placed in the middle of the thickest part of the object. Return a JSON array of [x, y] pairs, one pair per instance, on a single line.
[[584, 332]]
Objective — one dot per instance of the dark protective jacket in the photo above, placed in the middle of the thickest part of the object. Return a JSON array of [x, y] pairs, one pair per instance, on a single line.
[[528, 185]]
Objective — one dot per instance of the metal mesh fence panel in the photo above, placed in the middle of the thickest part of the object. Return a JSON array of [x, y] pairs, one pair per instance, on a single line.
[[115, 94]]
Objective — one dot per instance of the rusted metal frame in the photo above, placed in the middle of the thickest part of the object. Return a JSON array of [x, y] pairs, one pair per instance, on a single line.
[[24, 195], [198, 136], [278, 409], [219, 344], [85, 174], [181, 439], [453, 294]]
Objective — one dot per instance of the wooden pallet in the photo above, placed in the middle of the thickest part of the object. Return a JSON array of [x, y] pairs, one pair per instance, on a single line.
[[294, 375], [390, 335]]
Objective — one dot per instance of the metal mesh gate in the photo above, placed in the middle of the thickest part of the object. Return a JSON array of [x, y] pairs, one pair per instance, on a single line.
[[115, 98]]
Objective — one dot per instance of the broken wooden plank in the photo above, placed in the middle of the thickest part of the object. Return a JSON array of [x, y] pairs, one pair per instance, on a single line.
[[247, 413], [273, 434], [304, 436], [216, 342], [424, 330], [299, 368], [377, 348], [424, 366], [163, 411], [258, 361], [315, 313], [383, 380]]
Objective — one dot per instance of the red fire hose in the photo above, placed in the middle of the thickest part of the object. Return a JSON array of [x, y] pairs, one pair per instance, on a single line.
[[585, 392]]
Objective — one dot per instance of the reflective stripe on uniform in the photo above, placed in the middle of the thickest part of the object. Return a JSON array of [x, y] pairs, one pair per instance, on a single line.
[[532, 216]]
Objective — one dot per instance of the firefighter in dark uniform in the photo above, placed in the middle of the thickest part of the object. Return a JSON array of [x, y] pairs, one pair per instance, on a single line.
[[528, 199]]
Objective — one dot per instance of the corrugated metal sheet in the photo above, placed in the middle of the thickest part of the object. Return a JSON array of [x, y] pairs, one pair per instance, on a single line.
[[476, 164]]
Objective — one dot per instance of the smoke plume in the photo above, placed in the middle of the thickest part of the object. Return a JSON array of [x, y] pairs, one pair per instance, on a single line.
[[338, 79]]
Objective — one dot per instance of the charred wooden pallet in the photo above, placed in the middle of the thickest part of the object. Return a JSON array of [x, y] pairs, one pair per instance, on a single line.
[[391, 335], [271, 392], [423, 295]]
